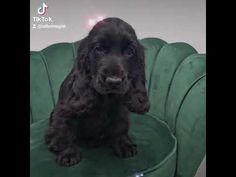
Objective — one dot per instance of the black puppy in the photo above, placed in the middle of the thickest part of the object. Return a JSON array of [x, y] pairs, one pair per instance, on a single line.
[[106, 83]]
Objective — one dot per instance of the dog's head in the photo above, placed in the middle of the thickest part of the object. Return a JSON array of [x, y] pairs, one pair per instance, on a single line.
[[112, 56]]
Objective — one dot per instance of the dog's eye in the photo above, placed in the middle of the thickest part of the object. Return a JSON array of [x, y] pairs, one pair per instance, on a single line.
[[99, 49], [129, 51]]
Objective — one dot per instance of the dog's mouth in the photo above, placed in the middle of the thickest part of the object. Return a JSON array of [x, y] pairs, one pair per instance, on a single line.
[[111, 85]]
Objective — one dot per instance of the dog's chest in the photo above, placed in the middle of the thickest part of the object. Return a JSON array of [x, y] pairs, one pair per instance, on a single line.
[[100, 118]]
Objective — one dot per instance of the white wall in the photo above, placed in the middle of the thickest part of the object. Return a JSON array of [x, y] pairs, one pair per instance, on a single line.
[[170, 20]]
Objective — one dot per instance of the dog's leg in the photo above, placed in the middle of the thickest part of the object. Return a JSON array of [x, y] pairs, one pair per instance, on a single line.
[[119, 139], [69, 156], [123, 146], [60, 138]]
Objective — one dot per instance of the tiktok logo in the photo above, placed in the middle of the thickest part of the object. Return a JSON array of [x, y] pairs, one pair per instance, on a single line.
[[43, 21], [42, 10]]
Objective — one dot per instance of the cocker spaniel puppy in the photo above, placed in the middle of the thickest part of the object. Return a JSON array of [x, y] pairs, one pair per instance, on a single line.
[[106, 83]]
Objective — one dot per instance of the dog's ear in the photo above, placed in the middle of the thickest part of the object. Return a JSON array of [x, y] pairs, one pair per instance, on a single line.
[[81, 67], [82, 61], [83, 95], [136, 99], [137, 70], [141, 63]]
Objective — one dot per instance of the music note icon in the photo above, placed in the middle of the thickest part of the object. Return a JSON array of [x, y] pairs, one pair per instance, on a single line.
[[42, 10]]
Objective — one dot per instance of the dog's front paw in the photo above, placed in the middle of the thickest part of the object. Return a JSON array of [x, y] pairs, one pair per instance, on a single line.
[[125, 149], [68, 157]]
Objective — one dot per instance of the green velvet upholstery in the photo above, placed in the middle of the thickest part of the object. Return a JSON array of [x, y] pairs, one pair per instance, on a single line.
[[170, 137]]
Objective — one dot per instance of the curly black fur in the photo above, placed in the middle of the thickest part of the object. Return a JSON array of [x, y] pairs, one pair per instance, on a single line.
[[105, 84]]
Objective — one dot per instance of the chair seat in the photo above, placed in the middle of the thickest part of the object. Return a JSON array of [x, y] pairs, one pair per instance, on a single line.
[[156, 154]]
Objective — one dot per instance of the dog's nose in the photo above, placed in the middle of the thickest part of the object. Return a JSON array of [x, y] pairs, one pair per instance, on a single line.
[[113, 80]]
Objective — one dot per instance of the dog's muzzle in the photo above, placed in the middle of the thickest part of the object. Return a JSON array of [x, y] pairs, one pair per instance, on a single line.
[[111, 84]]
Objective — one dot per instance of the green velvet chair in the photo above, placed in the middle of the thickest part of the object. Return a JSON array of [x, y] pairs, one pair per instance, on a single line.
[[170, 137]]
